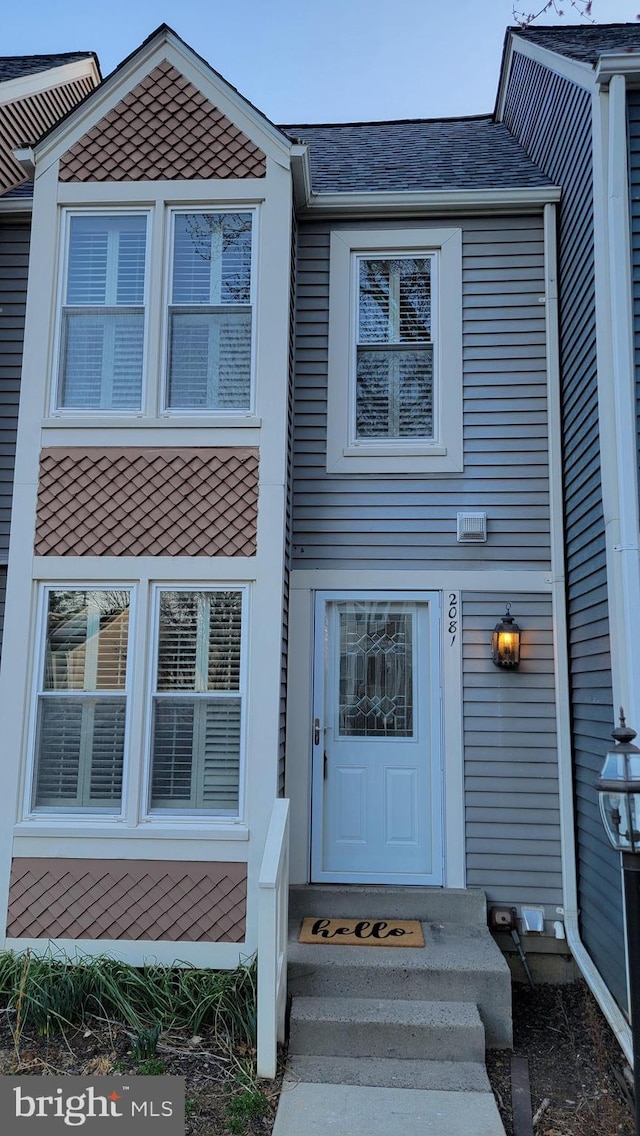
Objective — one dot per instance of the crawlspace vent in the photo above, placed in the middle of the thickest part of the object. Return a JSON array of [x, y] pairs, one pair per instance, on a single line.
[[472, 528]]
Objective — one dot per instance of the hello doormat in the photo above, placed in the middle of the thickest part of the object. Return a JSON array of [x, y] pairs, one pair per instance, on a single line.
[[362, 932]]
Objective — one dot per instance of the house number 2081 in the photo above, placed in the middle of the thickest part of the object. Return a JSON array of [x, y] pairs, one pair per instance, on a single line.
[[452, 616]]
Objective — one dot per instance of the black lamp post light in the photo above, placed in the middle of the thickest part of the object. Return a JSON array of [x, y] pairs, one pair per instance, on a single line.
[[619, 791]]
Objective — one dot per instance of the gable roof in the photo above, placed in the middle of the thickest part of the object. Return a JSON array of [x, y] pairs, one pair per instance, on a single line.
[[583, 42], [420, 154], [17, 66]]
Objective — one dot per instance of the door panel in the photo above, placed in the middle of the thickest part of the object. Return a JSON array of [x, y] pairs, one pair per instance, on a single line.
[[376, 807]]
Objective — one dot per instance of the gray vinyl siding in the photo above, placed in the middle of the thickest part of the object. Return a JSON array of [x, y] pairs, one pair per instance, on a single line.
[[406, 522], [14, 256], [511, 780], [551, 118]]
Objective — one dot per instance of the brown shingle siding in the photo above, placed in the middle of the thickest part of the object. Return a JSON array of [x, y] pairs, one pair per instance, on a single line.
[[164, 129], [128, 502]]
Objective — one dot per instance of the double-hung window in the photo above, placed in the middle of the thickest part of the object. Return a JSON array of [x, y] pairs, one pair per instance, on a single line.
[[395, 351], [81, 713], [210, 312], [103, 315], [197, 705]]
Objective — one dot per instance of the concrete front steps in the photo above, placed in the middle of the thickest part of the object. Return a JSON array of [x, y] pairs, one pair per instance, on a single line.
[[399, 1018]]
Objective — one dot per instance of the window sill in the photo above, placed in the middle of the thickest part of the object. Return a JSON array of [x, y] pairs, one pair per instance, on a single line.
[[393, 459], [166, 421], [86, 826]]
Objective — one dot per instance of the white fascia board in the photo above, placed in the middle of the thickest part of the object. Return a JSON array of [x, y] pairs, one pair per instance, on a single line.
[[573, 69], [618, 63], [165, 46], [16, 205], [431, 201], [14, 89], [301, 173]]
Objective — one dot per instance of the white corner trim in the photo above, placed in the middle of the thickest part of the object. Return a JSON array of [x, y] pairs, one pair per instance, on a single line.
[[425, 202], [14, 89], [443, 453], [622, 458]]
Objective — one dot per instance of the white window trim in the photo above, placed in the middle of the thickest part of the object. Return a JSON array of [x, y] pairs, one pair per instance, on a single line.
[[162, 817], [52, 813], [442, 454], [213, 413], [75, 413]]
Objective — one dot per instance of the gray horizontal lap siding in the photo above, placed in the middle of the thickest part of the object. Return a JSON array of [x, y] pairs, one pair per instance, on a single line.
[[408, 522], [14, 257], [551, 118], [511, 781]]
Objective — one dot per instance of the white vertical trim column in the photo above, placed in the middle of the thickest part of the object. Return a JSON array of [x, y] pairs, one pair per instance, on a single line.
[[623, 457]]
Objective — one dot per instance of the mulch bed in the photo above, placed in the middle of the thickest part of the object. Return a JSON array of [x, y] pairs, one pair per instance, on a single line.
[[221, 1099], [576, 1067]]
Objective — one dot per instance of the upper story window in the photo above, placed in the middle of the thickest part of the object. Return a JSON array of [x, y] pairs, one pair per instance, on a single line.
[[103, 314], [210, 313], [122, 316], [394, 352], [394, 400], [80, 733]]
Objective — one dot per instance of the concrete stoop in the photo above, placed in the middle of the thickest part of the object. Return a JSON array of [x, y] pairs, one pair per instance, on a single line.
[[399, 1020]]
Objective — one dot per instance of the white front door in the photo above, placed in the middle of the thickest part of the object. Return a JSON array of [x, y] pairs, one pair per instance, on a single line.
[[377, 772]]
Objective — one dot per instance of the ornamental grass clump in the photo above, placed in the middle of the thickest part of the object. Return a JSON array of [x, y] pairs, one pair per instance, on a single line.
[[53, 991]]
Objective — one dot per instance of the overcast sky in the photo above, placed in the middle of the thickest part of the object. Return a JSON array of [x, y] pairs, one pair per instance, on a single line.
[[333, 61]]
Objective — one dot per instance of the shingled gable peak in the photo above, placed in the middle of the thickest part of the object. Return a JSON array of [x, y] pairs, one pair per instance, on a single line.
[[168, 83]]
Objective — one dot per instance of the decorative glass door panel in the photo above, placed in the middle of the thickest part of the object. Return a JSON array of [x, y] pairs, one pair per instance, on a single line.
[[376, 689], [376, 814]]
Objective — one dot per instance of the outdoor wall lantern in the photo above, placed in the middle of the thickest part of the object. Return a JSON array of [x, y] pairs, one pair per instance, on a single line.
[[619, 791], [505, 641]]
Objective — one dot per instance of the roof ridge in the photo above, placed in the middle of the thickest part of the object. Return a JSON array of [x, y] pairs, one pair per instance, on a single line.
[[387, 122], [48, 55]]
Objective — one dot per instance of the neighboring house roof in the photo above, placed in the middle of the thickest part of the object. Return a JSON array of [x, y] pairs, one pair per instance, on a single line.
[[16, 66], [446, 153], [35, 92], [584, 42], [25, 190]]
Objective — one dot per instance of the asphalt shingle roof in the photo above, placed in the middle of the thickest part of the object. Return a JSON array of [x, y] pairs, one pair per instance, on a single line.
[[16, 66], [584, 42], [24, 189], [451, 153]]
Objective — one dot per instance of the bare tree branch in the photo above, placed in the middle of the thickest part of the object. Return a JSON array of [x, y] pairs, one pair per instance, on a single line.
[[582, 7]]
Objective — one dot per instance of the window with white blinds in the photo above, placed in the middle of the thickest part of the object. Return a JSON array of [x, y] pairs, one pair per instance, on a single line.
[[197, 704], [210, 312], [394, 353], [103, 315], [80, 733]]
